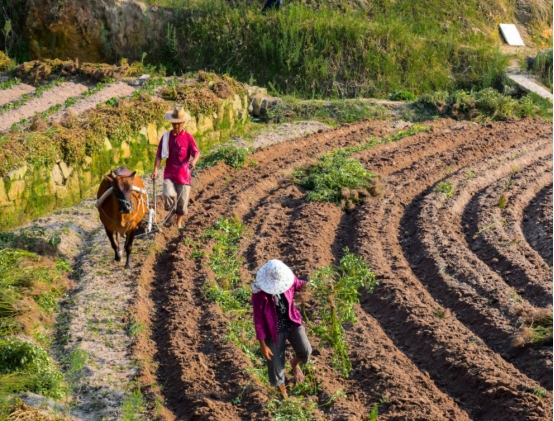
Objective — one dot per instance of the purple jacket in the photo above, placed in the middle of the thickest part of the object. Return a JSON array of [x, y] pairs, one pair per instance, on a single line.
[[265, 313]]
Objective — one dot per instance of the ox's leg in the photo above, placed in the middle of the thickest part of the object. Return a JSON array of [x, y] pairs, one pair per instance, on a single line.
[[129, 247], [115, 243]]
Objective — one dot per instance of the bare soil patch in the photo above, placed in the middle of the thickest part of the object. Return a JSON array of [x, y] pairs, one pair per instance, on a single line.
[[537, 223], [13, 93]]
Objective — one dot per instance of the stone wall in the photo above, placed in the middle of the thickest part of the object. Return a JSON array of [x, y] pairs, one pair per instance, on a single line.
[[27, 193]]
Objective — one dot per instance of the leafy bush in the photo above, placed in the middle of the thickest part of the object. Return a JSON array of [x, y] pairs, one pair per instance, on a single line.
[[231, 155], [335, 178], [402, 96], [16, 355], [336, 290]]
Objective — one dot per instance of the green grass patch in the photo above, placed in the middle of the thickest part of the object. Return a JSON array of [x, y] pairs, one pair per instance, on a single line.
[[446, 188], [484, 105], [541, 330], [336, 290], [133, 408], [229, 154]]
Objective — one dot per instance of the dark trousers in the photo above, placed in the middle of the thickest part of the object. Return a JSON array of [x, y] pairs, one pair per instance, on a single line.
[[302, 348], [272, 4]]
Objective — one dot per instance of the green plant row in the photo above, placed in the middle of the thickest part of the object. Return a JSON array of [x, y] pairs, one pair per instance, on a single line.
[[27, 97], [336, 290], [234, 299], [69, 102], [229, 154], [9, 83]]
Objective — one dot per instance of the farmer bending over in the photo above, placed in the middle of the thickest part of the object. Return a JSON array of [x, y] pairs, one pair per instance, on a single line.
[[277, 320], [177, 147]]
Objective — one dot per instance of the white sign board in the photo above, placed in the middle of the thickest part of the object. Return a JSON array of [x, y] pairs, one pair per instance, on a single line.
[[511, 34]]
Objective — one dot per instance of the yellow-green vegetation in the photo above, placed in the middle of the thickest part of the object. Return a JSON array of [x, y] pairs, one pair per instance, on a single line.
[[5, 61], [503, 201], [79, 136], [204, 95], [542, 67], [30, 287], [342, 180], [536, 328], [39, 70], [446, 188], [229, 154], [332, 112], [336, 290], [336, 178], [484, 105], [345, 49]]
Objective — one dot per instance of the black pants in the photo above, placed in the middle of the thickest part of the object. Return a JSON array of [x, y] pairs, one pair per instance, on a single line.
[[272, 4]]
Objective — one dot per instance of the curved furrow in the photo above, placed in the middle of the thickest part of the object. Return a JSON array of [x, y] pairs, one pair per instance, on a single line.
[[537, 224], [202, 373], [304, 236], [477, 378], [494, 232], [457, 278]]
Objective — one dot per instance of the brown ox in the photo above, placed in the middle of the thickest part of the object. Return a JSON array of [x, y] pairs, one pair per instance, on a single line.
[[123, 209]]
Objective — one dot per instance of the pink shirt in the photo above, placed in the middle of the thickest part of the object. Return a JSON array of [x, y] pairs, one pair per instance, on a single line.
[[265, 313], [181, 148]]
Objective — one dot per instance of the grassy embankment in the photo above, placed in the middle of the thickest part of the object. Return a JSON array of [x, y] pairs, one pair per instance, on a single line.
[[336, 49], [32, 280]]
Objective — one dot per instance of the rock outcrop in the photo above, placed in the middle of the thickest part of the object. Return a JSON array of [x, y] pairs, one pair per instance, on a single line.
[[95, 30]]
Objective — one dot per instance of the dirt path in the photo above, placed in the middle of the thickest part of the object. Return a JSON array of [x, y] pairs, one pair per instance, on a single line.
[[49, 98]]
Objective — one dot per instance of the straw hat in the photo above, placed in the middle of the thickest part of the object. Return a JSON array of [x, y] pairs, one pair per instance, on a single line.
[[274, 277], [178, 115]]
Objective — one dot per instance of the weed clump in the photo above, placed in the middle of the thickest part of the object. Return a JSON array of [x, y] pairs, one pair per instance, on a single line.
[[542, 67], [446, 188], [336, 290], [536, 328], [336, 178], [503, 201]]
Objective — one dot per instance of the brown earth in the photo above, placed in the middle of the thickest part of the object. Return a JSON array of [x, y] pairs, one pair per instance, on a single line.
[[537, 223], [434, 337]]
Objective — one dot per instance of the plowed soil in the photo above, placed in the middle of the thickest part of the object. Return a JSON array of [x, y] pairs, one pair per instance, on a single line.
[[434, 338]]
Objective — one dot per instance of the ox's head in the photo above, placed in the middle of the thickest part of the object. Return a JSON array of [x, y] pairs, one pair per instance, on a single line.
[[122, 188]]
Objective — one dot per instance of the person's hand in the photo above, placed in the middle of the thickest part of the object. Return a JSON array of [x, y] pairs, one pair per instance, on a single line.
[[192, 165], [154, 174], [266, 352]]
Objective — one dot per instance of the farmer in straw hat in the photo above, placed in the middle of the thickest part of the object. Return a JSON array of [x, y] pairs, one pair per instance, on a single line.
[[277, 320], [177, 147]]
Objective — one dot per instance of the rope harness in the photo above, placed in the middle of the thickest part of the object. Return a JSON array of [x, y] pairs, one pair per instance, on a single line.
[[140, 203]]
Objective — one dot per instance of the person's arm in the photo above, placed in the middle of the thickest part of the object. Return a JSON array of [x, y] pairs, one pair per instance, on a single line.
[[195, 159], [298, 283], [258, 307], [158, 160], [156, 166]]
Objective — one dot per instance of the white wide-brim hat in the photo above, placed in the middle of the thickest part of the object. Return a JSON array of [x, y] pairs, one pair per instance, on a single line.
[[274, 277]]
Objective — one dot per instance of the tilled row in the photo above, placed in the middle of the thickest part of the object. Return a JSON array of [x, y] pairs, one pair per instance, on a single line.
[[386, 234], [537, 223], [479, 297], [427, 367]]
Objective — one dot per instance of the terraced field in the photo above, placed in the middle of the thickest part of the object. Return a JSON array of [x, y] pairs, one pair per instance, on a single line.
[[461, 245]]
